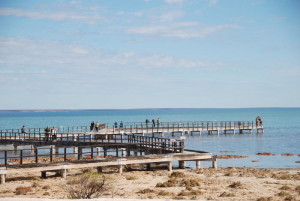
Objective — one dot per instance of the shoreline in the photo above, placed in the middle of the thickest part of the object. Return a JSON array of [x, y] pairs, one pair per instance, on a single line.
[[231, 183]]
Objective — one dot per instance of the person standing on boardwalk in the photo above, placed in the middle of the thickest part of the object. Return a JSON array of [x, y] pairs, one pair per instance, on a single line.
[[53, 132], [23, 131], [97, 126], [153, 122], [147, 122], [47, 131], [92, 126], [158, 122], [121, 124]]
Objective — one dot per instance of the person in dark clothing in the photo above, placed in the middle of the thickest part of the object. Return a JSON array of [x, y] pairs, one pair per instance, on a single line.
[[47, 131], [147, 122], [92, 126], [153, 122]]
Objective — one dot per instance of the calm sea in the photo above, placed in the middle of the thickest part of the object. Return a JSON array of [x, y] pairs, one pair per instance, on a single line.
[[282, 130]]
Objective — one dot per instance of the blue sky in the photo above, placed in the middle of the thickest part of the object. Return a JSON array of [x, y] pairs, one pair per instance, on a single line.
[[102, 54]]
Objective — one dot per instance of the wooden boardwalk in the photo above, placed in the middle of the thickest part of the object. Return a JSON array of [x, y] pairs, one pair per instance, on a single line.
[[132, 143]]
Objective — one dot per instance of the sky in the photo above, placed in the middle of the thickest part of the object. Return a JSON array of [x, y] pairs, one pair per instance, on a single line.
[[117, 54]]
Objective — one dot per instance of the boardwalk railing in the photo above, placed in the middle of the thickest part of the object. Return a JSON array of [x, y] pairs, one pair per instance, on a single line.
[[140, 127], [63, 154]]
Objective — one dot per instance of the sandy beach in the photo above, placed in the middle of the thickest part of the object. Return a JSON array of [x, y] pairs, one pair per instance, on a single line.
[[203, 184]]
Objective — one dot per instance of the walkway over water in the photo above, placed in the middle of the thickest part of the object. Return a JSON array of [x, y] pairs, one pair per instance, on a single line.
[[109, 145], [210, 127]]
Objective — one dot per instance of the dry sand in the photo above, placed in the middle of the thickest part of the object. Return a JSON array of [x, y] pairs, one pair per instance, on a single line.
[[202, 184]]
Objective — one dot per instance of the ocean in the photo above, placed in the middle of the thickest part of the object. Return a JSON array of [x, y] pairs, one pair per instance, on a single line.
[[282, 130]]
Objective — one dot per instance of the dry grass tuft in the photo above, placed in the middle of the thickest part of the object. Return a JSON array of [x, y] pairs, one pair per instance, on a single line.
[[22, 190], [224, 194], [236, 184]]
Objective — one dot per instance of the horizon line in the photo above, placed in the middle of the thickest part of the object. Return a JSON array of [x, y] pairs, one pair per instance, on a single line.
[[57, 110]]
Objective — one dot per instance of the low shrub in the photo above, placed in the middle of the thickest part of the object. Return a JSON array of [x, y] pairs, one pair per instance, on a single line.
[[236, 185], [47, 187], [224, 194], [177, 174], [22, 190], [164, 193], [86, 186], [46, 193], [283, 194], [263, 199], [189, 183], [131, 178], [146, 190], [35, 184], [285, 187]]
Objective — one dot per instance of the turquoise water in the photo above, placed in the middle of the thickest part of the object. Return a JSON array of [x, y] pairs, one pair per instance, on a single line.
[[282, 130]]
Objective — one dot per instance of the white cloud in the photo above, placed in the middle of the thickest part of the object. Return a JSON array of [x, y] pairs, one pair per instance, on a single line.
[[174, 1], [45, 55], [182, 30], [50, 15], [212, 2], [171, 15]]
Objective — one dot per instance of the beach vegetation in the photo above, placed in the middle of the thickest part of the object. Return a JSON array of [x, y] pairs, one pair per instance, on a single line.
[[146, 190], [86, 186], [297, 188], [225, 194], [189, 183], [47, 187], [46, 193], [164, 193], [177, 174], [283, 194], [283, 176], [22, 190], [131, 178], [264, 199], [285, 187], [236, 184], [35, 184]]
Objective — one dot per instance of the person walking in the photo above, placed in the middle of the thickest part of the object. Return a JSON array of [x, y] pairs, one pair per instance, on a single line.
[[97, 126], [158, 122], [147, 122]]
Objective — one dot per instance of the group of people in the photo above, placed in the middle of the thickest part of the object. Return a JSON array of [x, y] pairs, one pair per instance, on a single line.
[[258, 121], [50, 132], [94, 126], [154, 123]]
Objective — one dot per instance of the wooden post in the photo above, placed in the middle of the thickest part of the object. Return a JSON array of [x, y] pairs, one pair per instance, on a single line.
[[214, 163], [3, 173], [51, 154], [98, 151], [65, 153], [120, 168], [43, 174], [63, 173], [182, 164], [36, 155], [148, 166], [5, 157], [99, 169], [170, 166], [198, 165], [21, 157]]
